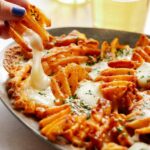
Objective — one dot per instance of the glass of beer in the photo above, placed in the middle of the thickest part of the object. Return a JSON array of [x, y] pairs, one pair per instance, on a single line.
[[128, 15]]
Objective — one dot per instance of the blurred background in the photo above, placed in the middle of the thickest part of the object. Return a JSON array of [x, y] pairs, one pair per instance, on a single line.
[[130, 15]]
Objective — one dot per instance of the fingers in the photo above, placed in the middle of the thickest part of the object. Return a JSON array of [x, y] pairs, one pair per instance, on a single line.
[[3, 30], [10, 11], [23, 3]]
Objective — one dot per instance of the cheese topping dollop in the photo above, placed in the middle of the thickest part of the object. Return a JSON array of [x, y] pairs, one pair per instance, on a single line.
[[143, 74], [44, 97], [89, 92]]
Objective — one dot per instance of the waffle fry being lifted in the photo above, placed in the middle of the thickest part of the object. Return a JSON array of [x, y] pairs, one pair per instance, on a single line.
[[35, 20]]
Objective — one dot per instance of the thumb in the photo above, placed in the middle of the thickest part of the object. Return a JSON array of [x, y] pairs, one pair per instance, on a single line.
[[9, 11]]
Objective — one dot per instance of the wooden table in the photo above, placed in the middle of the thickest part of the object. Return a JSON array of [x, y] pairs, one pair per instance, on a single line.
[[13, 135]]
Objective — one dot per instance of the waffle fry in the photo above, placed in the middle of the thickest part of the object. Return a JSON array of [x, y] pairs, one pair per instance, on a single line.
[[143, 54], [122, 64], [118, 82], [143, 41], [137, 119], [117, 77], [117, 71], [65, 82], [137, 57]]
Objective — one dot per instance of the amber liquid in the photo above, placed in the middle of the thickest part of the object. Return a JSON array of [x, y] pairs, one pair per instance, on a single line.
[[128, 15]]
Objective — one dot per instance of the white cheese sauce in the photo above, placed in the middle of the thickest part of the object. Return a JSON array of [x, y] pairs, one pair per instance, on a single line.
[[143, 74], [44, 97], [39, 80], [144, 106], [97, 68], [89, 92], [139, 146]]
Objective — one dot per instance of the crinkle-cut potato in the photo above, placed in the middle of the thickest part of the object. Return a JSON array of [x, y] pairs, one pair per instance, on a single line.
[[143, 41], [122, 107], [65, 82], [139, 118]]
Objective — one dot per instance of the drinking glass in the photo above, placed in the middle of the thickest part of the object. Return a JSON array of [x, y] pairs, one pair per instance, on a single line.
[[128, 15]]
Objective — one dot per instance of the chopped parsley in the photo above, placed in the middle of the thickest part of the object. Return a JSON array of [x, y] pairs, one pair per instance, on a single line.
[[79, 107], [41, 93], [123, 52], [73, 97], [92, 60], [89, 92], [120, 129], [120, 52], [141, 77]]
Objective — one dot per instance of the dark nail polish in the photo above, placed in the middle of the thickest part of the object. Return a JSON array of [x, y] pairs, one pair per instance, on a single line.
[[18, 11]]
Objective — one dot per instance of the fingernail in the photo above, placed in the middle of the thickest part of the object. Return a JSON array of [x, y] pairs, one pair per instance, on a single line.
[[18, 11]]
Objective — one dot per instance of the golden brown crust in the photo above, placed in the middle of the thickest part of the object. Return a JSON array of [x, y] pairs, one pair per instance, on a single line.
[[13, 58]]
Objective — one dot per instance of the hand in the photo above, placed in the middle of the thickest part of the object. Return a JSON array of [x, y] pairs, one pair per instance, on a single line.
[[11, 10]]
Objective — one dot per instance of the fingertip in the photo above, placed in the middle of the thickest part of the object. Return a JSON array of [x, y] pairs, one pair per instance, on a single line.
[[9, 11]]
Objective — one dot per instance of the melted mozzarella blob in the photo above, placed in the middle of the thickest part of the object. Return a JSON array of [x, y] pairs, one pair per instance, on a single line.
[[89, 92], [97, 68], [139, 146], [143, 74], [144, 106], [44, 97], [39, 80]]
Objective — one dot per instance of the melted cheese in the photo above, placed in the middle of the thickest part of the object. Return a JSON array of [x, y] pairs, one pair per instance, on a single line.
[[39, 80], [44, 97], [143, 74], [97, 68], [89, 92], [125, 54], [144, 106], [139, 146]]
